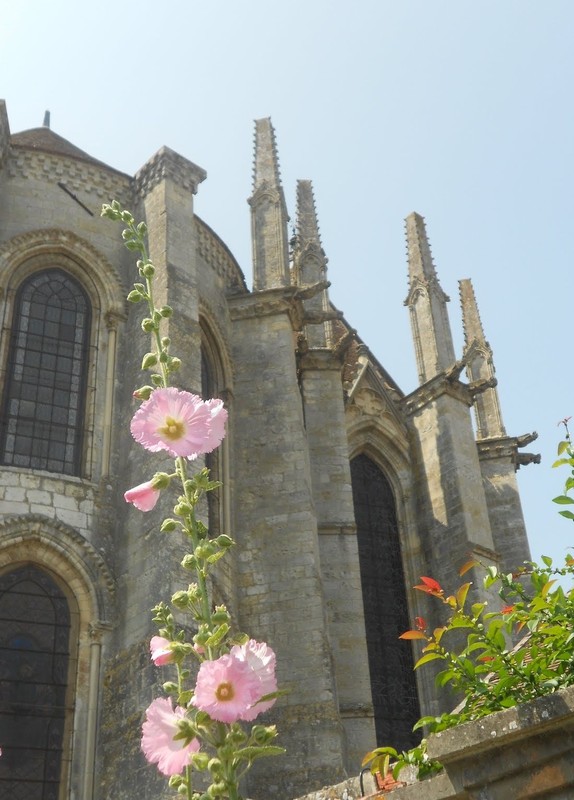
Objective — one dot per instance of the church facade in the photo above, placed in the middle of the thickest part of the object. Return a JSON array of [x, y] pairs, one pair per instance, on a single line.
[[339, 489]]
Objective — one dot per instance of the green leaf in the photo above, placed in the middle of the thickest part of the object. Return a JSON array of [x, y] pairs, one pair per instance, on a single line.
[[218, 634], [562, 446], [562, 461], [255, 751], [461, 594], [426, 658], [563, 499], [567, 514], [547, 560]]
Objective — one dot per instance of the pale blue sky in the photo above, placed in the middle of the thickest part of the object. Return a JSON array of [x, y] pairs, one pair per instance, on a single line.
[[459, 110]]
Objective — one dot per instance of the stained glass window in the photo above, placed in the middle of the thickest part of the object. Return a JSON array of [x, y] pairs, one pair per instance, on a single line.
[[43, 407], [393, 685], [34, 657]]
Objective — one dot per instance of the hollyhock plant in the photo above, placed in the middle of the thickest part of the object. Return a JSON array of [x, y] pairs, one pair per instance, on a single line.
[[200, 725], [158, 744], [144, 497], [161, 652], [180, 423]]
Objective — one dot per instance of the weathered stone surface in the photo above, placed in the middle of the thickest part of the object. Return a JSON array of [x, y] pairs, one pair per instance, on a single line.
[[278, 356]]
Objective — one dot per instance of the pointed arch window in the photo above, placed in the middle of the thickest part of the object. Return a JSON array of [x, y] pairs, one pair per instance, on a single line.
[[46, 376], [393, 685], [212, 460], [35, 624]]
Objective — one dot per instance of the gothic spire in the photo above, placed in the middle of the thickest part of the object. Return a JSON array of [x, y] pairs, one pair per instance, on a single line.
[[269, 216], [310, 266], [266, 161], [480, 367], [427, 304], [307, 224]]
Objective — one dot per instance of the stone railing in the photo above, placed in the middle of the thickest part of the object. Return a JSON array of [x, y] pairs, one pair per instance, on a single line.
[[524, 753]]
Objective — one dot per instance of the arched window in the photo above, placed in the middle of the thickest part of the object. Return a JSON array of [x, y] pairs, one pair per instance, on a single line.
[[212, 460], [34, 659], [393, 685], [43, 404]]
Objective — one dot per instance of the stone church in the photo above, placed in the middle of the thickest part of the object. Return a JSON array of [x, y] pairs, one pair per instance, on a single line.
[[339, 489]]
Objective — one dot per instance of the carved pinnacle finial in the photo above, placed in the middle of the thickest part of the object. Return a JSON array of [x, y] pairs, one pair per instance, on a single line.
[[419, 253], [266, 161], [471, 323], [46, 123], [307, 224]]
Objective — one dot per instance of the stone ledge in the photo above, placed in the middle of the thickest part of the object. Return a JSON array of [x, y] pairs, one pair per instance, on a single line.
[[524, 753]]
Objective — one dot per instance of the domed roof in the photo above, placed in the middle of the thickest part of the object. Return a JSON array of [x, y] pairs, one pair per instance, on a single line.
[[45, 140]]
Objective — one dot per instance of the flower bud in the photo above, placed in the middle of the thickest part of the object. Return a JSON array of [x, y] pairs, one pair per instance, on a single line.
[[166, 311], [263, 734], [143, 393], [174, 364], [180, 600], [168, 525], [181, 509], [199, 761], [149, 360], [134, 296], [141, 229], [220, 615], [165, 341], [157, 380], [148, 271], [163, 357], [215, 767], [111, 211], [170, 687], [127, 217], [160, 480], [224, 541], [189, 561], [148, 325]]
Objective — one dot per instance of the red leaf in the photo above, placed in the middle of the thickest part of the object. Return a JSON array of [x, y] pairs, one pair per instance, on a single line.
[[412, 635], [430, 586]]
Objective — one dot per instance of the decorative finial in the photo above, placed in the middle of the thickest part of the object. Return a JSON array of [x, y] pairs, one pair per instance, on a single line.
[[46, 123]]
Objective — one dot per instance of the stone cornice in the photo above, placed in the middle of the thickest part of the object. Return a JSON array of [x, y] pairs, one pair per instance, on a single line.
[[268, 303], [166, 164], [81, 177], [431, 390]]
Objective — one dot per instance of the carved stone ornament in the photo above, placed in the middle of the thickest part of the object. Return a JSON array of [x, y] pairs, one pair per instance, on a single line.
[[369, 403]]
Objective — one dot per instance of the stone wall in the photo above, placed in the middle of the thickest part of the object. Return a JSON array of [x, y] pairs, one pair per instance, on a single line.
[[524, 753]]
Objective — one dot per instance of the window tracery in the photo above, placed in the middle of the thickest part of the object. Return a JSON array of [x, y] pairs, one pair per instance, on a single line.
[[43, 406], [34, 705], [393, 685]]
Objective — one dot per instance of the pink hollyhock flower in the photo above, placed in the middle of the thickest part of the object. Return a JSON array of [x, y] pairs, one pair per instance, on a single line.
[[179, 422], [143, 496], [161, 652], [158, 745], [226, 688], [261, 659]]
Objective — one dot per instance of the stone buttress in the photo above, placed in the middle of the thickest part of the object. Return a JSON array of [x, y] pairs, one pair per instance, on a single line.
[[320, 367], [280, 592], [498, 453]]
